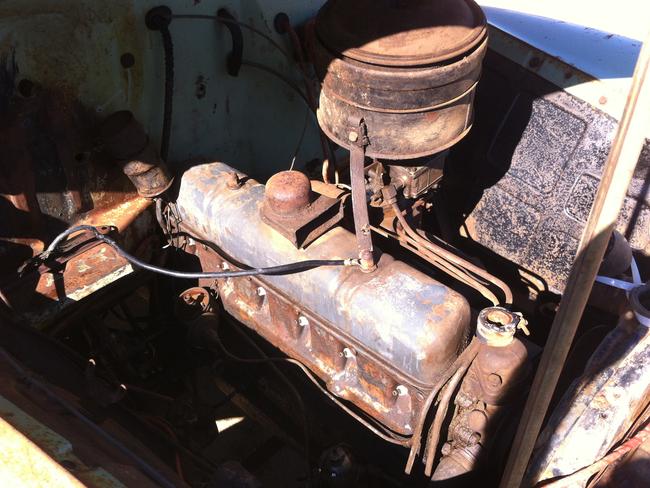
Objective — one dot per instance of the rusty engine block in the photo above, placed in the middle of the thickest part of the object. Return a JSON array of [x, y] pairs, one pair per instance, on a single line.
[[379, 340]]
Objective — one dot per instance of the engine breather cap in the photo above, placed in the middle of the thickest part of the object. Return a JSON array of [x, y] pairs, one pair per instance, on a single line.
[[496, 326], [288, 192]]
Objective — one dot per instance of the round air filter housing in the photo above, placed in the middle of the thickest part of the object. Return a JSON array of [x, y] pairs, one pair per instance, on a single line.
[[409, 68]]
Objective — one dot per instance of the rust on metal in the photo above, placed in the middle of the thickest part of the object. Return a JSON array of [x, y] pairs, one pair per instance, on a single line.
[[359, 141], [349, 368], [51, 176], [192, 303], [23, 463], [41, 295], [404, 33], [288, 192], [378, 62], [295, 211], [393, 330], [124, 140], [489, 387]]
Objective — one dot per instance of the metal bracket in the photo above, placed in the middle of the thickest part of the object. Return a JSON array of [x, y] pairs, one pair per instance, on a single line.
[[358, 139]]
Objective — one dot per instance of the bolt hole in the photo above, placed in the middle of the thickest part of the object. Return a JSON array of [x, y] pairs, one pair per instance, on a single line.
[[26, 88], [127, 60]]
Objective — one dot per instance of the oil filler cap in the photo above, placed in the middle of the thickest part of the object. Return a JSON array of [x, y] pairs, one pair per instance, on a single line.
[[496, 326]]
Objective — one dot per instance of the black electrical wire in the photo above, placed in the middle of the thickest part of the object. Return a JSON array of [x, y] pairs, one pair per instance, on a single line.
[[158, 19], [168, 47], [272, 270]]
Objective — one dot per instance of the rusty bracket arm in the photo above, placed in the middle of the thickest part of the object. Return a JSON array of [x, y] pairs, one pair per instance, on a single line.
[[358, 141]]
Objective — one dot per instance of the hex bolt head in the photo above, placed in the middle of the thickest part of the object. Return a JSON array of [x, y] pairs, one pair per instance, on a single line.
[[261, 291], [347, 352], [353, 136], [225, 266], [303, 321]]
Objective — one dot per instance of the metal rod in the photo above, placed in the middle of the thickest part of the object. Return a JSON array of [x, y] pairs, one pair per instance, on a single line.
[[617, 174], [452, 258], [441, 414], [358, 140]]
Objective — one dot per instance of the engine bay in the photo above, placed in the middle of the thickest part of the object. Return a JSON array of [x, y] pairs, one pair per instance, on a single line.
[[360, 294]]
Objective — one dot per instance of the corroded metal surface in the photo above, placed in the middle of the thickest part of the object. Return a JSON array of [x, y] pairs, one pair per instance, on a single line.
[[125, 140], [403, 33], [600, 405], [59, 71], [288, 192], [294, 210], [41, 295], [23, 463], [413, 106], [373, 333], [485, 396], [31, 454], [538, 165]]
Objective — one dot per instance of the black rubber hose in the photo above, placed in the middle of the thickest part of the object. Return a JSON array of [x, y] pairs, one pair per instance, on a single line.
[[272, 270], [168, 47], [158, 19]]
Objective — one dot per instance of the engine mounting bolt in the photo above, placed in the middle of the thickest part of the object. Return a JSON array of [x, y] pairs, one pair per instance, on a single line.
[[261, 291], [347, 352], [303, 321], [353, 136], [401, 390]]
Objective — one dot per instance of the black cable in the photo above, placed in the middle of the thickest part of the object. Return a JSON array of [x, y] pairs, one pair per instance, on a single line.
[[272, 270], [168, 47], [146, 468], [158, 19]]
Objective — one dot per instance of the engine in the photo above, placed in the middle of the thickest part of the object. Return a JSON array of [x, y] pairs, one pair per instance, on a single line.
[[376, 285]]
